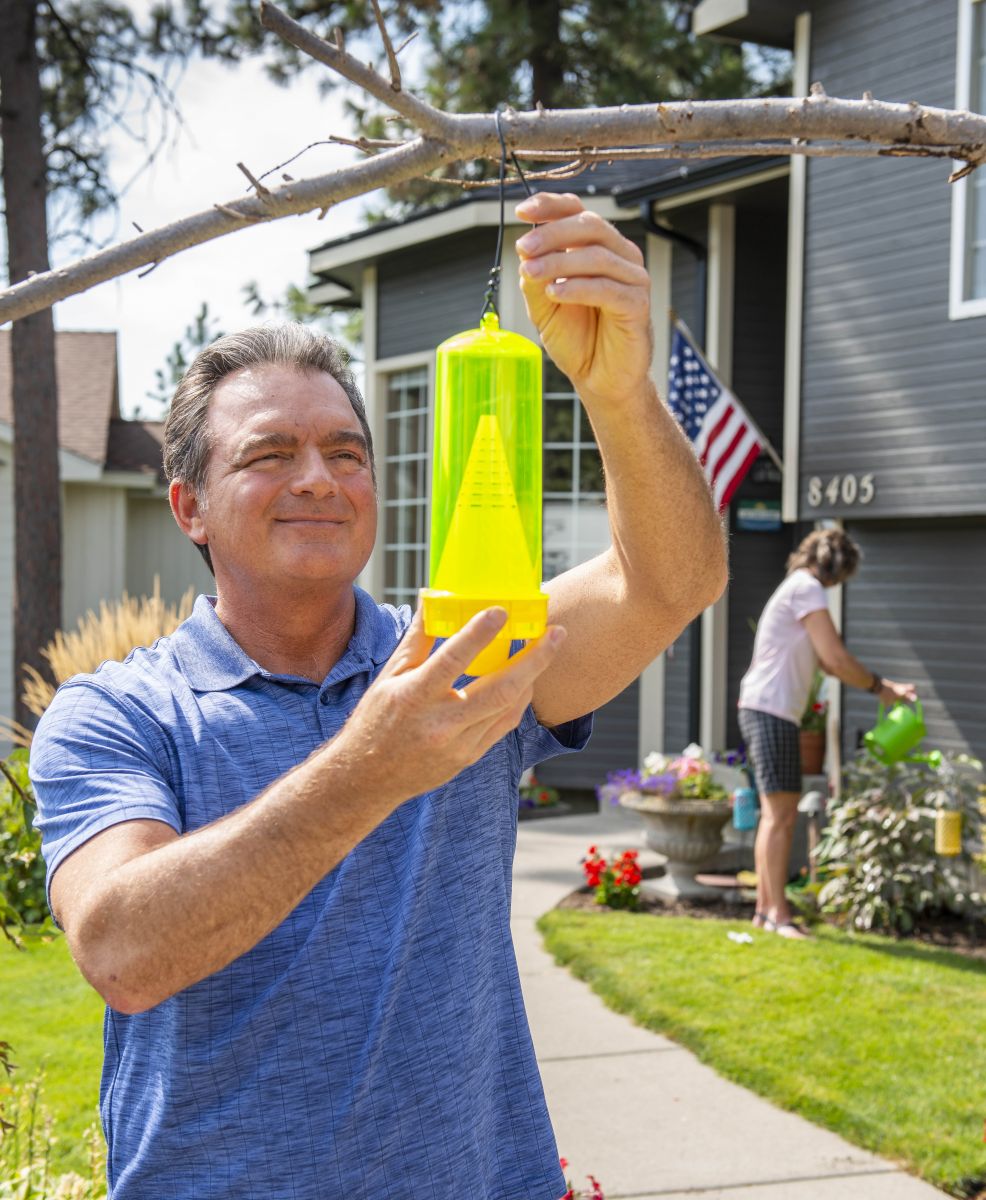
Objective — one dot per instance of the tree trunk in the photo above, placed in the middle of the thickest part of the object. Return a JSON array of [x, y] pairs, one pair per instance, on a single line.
[[37, 509], [546, 73]]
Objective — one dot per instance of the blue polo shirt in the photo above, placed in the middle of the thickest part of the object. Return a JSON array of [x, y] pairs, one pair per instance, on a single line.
[[375, 1044]]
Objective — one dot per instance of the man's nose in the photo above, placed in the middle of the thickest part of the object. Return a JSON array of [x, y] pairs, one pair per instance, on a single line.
[[314, 475]]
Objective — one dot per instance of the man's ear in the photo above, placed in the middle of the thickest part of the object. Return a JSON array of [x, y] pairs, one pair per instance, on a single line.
[[187, 512]]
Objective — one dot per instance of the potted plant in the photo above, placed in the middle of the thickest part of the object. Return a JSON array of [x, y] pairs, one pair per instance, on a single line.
[[812, 733], [683, 801]]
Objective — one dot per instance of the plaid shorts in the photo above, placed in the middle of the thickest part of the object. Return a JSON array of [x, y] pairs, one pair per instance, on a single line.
[[772, 747]]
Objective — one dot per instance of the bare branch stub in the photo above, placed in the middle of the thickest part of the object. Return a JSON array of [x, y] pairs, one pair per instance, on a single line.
[[258, 187], [430, 121], [388, 45], [407, 41]]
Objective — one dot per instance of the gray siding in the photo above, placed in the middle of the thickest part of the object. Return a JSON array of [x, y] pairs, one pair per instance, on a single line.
[[678, 690], [890, 386], [916, 613], [612, 747], [757, 559], [759, 306], [757, 562], [430, 292]]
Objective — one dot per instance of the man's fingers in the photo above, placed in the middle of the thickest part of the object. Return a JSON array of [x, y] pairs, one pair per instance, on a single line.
[[584, 229], [453, 657], [548, 206], [414, 648], [500, 689], [584, 262], [619, 299]]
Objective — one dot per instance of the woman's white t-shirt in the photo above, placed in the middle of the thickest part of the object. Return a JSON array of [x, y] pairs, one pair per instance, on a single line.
[[784, 660]]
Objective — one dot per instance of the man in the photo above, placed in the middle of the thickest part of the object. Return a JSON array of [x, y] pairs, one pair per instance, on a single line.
[[280, 841]]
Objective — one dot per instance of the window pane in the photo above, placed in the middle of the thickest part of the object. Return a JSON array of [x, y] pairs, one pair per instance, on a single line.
[[978, 272], [585, 428], [554, 380], [404, 524], [590, 471], [406, 480], [557, 470], [558, 420], [975, 232]]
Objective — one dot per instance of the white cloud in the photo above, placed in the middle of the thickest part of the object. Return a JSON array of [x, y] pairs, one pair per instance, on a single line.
[[232, 114]]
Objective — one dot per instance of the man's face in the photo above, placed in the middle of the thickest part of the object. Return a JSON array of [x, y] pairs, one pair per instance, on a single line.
[[289, 488]]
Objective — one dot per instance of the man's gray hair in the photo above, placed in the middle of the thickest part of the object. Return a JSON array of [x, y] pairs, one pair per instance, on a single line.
[[187, 441]]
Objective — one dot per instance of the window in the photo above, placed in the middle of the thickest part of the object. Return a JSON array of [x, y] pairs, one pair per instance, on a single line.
[[968, 268], [576, 526], [405, 486]]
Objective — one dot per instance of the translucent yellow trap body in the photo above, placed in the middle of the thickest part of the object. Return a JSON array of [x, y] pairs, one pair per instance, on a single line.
[[486, 489]]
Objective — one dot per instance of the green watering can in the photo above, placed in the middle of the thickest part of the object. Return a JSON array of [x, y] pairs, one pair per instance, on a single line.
[[896, 733]]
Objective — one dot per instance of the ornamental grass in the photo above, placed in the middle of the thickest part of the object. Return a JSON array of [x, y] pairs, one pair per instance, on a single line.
[[106, 636]]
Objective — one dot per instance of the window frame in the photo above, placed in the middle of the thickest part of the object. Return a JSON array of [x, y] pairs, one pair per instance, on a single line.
[[409, 366], [961, 306]]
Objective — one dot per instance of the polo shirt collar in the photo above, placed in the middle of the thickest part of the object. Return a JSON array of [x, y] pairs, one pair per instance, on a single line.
[[213, 661]]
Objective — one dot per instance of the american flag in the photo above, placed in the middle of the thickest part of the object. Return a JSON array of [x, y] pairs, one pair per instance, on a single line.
[[726, 440]]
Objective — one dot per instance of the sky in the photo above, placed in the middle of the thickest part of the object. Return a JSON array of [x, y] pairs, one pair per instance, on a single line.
[[231, 115]]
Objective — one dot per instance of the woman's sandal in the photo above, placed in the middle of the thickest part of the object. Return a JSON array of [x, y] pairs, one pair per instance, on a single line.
[[759, 920], [787, 929]]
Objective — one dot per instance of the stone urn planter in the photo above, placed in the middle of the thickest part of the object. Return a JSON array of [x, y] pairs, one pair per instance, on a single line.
[[688, 833]]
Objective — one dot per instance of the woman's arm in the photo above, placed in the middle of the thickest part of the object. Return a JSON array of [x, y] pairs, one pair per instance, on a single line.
[[838, 661]]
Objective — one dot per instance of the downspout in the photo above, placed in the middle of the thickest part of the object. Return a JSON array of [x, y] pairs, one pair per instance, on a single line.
[[701, 255]]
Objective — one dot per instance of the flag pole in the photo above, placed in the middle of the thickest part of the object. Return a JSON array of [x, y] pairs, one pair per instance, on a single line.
[[765, 442]]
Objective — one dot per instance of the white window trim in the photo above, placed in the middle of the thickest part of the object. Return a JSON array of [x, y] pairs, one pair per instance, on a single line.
[[958, 307], [379, 372]]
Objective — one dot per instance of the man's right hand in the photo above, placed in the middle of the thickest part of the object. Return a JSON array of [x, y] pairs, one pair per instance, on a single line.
[[414, 730]]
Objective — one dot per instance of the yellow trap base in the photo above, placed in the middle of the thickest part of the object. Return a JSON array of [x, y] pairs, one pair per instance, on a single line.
[[445, 613]]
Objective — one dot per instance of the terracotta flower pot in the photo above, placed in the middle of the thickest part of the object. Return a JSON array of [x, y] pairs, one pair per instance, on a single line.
[[812, 744]]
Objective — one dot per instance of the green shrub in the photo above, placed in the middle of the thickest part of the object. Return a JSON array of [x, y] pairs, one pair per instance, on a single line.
[[22, 871], [877, 854], [27, 1141]]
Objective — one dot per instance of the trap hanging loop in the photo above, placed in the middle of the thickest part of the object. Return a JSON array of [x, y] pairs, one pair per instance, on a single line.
[[493, 285]]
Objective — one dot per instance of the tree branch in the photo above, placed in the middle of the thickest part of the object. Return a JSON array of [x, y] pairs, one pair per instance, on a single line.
[[301, 196], [815, 125], [388, 45], [429, 120]]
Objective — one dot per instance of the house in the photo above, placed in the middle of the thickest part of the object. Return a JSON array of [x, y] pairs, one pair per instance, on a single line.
[[885, 389], [843, 300], [117, 529]]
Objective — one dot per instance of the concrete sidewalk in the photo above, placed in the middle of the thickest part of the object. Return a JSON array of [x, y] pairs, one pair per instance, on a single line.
[[638, 1111]]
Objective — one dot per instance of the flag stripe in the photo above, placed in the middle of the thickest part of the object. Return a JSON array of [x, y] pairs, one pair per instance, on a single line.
[[752, 454], [738, 431], [722, 408], [725, 440]]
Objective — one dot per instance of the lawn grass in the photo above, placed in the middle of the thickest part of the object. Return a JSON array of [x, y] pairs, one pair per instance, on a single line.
[[882, 1042], [54, 1021]]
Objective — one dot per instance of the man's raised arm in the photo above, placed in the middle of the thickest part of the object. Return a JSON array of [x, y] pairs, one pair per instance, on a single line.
[[587, 291]]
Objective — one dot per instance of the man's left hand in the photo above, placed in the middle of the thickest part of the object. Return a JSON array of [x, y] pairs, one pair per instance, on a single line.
[[588, 293]]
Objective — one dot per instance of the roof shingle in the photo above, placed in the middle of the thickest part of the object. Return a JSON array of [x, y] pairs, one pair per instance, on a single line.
[[87, 390]]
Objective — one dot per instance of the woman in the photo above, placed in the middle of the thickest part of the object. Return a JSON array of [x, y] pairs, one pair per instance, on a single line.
[[795, 636]]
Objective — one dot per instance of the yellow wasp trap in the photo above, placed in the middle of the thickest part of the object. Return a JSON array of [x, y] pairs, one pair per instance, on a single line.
[[486, 488]]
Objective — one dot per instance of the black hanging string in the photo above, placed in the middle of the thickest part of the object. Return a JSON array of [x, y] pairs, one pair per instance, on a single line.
[[493, 284]]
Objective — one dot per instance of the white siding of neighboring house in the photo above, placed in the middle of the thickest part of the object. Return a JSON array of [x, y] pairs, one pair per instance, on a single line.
[[93, 547], [6, 583], [156, 546]]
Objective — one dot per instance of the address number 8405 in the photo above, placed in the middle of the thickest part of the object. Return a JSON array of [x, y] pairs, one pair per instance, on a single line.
[[841, 489]]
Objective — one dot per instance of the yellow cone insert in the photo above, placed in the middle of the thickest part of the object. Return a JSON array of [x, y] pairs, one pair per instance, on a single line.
[[486, 489]]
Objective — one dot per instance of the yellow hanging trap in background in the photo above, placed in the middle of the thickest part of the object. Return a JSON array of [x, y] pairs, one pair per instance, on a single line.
[[486, 489]]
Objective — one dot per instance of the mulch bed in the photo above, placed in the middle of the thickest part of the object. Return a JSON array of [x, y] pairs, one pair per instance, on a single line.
[[946, 931]]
